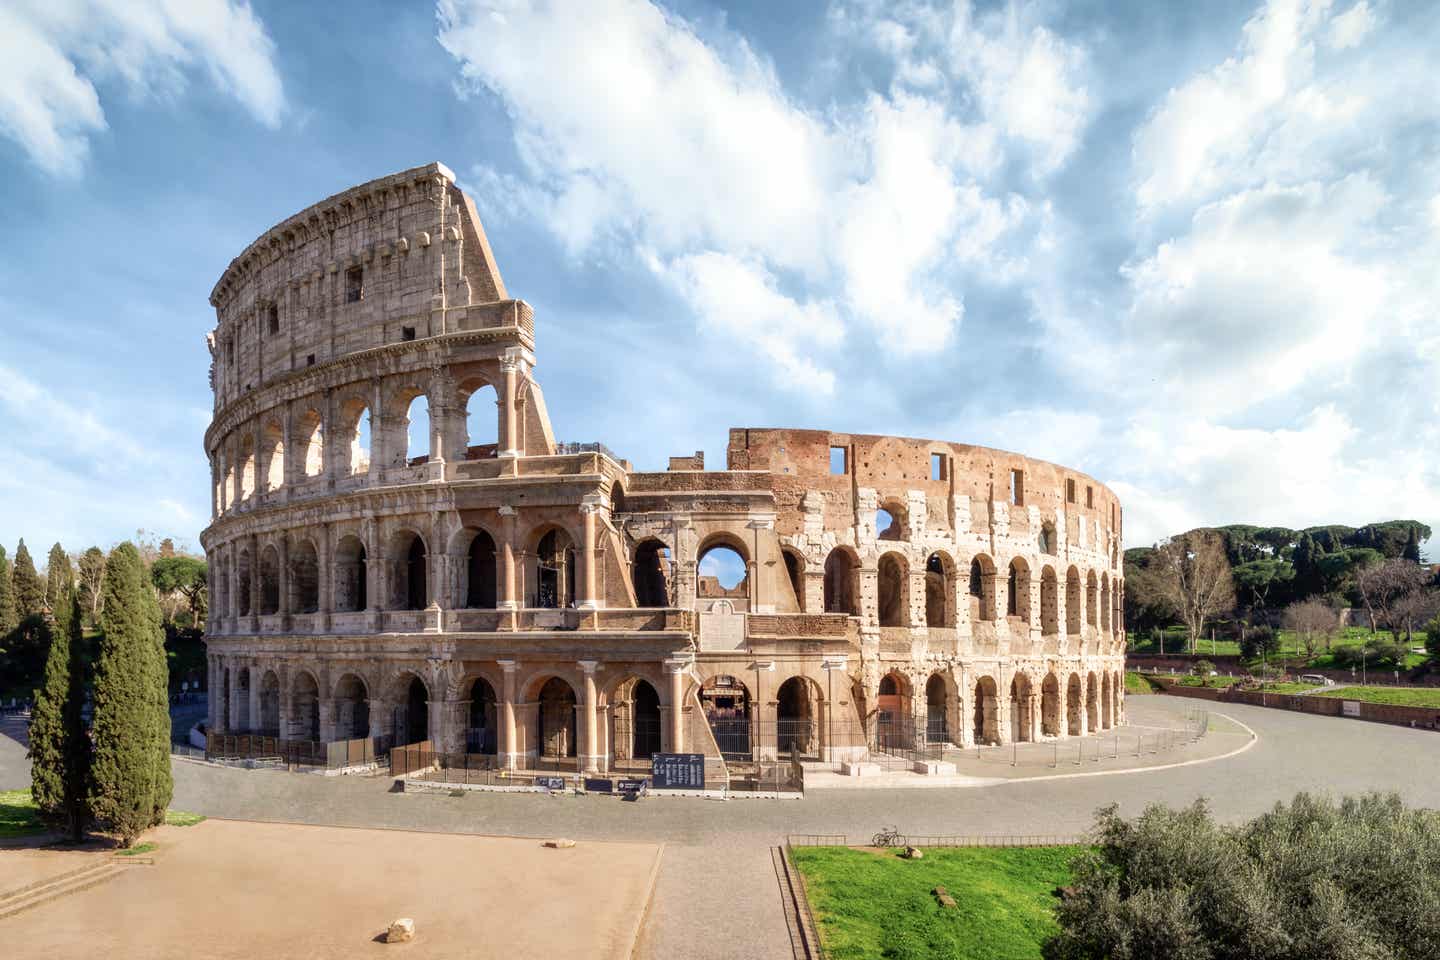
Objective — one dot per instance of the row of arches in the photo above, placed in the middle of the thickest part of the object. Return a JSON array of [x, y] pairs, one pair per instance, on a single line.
[[256, 463], [259, 588]]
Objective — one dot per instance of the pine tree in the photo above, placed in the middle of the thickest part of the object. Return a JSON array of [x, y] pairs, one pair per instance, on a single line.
[[9, 617], [29, 588], [1412, 546], [58, 575], [59, 745], [130, 776]]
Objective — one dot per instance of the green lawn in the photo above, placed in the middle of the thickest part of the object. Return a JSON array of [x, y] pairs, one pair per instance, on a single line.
[[1138, 684], [1177, 641], [1398, 696], [877, 905], [18, 816]]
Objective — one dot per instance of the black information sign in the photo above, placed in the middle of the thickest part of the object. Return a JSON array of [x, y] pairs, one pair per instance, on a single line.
[[599, 785], [631, 790], [550, 783], [678, 771]]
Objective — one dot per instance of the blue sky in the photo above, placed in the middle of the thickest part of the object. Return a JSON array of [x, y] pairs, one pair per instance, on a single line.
[[1188, 248]]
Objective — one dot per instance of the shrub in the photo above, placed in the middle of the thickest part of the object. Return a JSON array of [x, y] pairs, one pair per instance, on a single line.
[[1258, 640], [1203, 669], [1432, 640], [1350, 880]]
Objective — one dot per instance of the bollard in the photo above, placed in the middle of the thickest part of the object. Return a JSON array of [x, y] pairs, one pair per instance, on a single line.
[[1055, 761]]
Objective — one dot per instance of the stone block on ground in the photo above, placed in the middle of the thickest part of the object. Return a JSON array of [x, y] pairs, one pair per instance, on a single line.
[[401, 931], [934, 768], [858, 768], [560, 843], [943, 896]]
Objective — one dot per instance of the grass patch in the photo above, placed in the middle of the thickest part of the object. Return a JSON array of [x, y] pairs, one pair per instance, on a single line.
[[1288, 686], [1136, 683], [870, 904], [179, 818], [18, 815], [1395, 696], [136, 850]]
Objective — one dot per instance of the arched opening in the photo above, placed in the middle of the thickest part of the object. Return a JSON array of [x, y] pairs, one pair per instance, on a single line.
[[894, 723], [1105, 603], [937, 695], [840, 587], [1107, 710], [304, 578], [482, 419], [1092, 703], [890, 522], [355, 435], [1073, 701], [1074, 606], [480, 573], [243, 576], [1049, 602], [247, 467], [412, 713], [795, 574], [242, 691], [892, 590], [352, 709], [723, 575], [556, 719], [1018, 591], [650, 574], [410, 590], [987, 713], [939, 591], [1021, 710], [554, 571], [1050, 706], [270, 704], [645, 721], [350, 576], [796, 710], [273, 445], [482, 726], [417, 430], [312, 434], [305, 708], [269, 582], [1092, 600], [982, 588], [726, 703]]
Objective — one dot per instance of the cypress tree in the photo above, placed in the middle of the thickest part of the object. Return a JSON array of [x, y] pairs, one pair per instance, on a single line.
[[130, 777], [59, 744], [29, 588], [9, 617], [59, 579]]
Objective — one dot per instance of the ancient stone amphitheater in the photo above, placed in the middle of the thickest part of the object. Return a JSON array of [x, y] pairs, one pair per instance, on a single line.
[[401, 548]]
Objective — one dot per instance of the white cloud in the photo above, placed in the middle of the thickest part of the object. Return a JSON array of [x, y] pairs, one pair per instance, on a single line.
[[1351, 27], [53, 53]]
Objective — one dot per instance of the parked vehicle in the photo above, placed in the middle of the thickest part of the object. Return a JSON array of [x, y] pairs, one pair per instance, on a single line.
[[1317, 678]]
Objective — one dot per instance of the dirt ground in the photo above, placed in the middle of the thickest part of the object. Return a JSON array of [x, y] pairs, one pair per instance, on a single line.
[[236, 889]]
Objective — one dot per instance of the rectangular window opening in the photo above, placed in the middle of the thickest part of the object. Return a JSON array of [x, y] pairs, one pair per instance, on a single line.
[[354, 284], [938, 470], [407, 333], [1069, 491], [838, 461], [1090, 497], [272, 318], [1017, 487], [310, 360]]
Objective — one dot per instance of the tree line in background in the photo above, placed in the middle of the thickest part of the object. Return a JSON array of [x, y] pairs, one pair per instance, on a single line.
[[113, 772], [1248, 581], [32, 604]]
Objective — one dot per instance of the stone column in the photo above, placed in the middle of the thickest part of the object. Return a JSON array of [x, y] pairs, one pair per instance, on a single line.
[[326, 574], [589, 756], [256, 672], [327, 719], [290, 472], [507, 757], [233, 723], [509, 598], [676, 670], [255, 583], [379, 447], [286, 581], [212, 696], [510, 368], [588, 507]]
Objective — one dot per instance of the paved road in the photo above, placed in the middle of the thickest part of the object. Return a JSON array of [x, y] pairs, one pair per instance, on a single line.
[[716, 893]]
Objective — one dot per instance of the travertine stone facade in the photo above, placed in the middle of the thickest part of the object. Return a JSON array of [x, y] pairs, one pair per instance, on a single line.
[[481, 585]]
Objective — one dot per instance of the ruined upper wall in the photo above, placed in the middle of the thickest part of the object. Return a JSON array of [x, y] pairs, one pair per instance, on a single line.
[[898, 469], [401, 257]]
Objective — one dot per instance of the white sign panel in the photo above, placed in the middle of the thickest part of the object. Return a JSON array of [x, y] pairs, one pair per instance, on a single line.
[[1351, 708]]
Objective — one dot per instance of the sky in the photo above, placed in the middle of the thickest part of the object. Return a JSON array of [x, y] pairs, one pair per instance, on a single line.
[[1187, 248]]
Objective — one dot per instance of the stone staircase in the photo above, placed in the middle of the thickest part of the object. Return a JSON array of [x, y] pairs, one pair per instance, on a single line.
[[34, 894]]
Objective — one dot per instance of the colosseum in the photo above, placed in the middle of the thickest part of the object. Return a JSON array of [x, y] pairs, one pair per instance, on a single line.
[[401, 549]]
